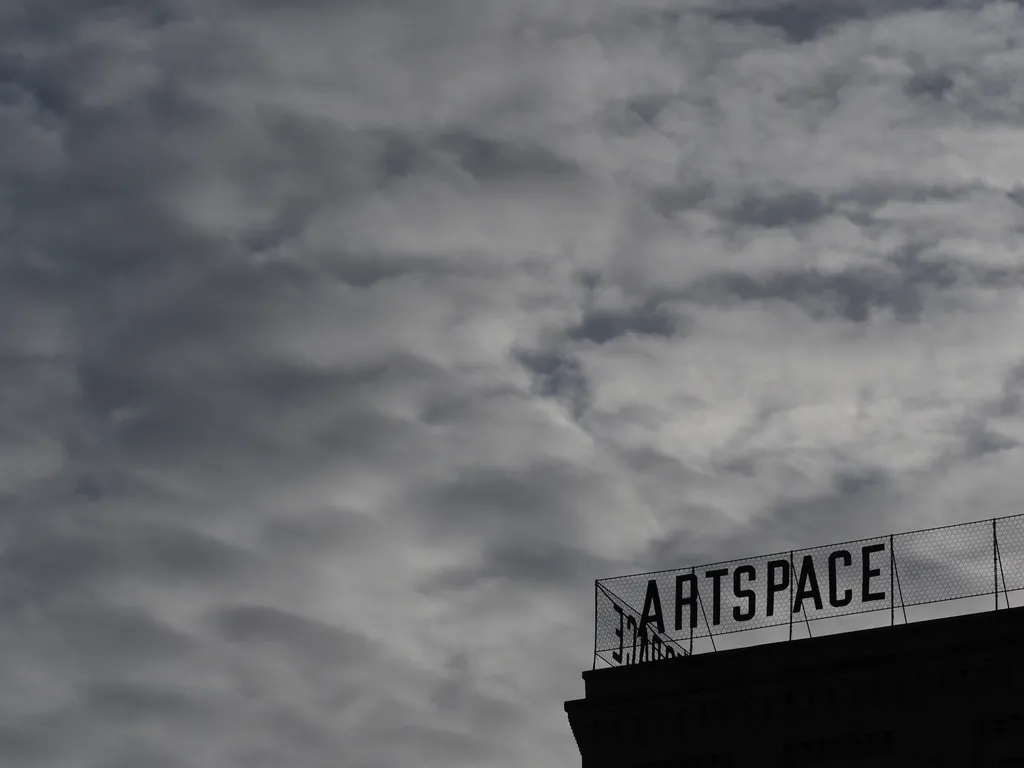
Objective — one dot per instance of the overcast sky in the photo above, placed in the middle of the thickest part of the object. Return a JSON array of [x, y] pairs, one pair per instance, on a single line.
[[344, 343]]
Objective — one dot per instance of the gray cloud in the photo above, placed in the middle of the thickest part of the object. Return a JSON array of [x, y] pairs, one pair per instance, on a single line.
[[343, 345]]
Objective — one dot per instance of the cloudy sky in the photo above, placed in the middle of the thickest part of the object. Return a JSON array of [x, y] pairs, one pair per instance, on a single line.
[[344, 343]]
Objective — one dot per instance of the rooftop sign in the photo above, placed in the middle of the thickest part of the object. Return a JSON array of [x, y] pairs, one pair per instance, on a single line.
[[652, 616]]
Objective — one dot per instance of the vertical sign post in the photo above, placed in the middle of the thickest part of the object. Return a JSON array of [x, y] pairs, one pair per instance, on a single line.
[[791, 579], [892, 573], [995, 564], [693, 572]]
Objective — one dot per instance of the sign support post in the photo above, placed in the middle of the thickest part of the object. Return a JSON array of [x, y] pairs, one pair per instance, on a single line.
[[791, 577], [693, 572], [995, 563], [892, 574]]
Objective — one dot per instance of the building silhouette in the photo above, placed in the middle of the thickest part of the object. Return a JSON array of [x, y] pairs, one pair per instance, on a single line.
[[932, 693]]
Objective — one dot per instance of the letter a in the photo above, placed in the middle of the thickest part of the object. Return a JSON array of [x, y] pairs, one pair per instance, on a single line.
[[652, 603], [803, 591]]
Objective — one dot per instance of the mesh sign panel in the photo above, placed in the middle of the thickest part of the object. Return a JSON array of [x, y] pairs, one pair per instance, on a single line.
[[651, 616]]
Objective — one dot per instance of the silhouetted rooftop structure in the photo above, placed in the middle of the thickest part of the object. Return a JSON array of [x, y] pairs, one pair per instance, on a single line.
[[930, 693]]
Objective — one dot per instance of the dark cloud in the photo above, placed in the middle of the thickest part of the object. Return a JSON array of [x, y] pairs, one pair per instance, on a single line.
[[48, 566], [531, 567], [683, 196], [25, 745], [600, 327], [798, 21], [129, 702], [510, 502], [802, 20], [860, 204], [982, 441], [366, 270], [850, 296], [648, 107], [88, 488], [782, 209], [143, 755], [321, 531], [870, 197], [559, 376], [902, 287], [460, 746], [1012, 400], [933, 84], [856, 500], [458, 693], [185, 554], [305, 638], [94, 632], [491, 160]]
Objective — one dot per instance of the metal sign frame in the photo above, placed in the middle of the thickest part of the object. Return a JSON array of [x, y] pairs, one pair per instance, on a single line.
[[657, 615]]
